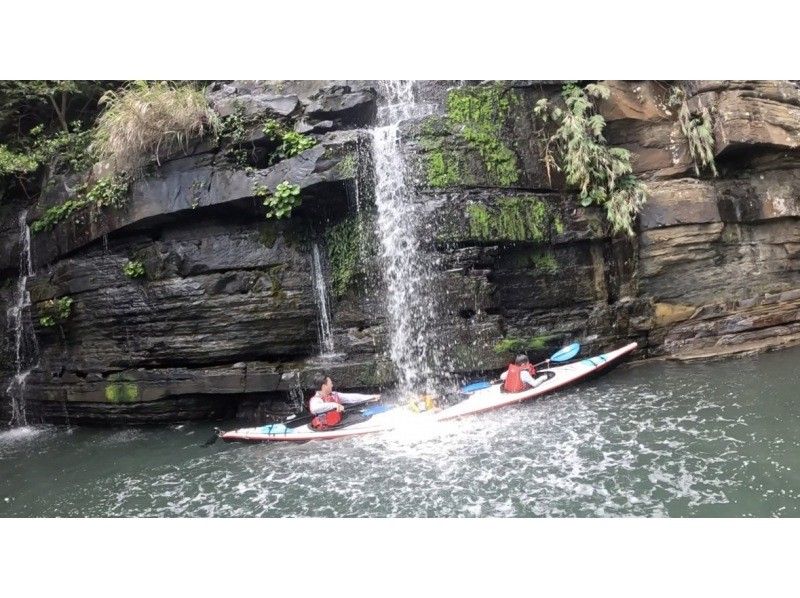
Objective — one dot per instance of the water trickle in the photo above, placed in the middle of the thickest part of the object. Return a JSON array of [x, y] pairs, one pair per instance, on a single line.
[[407, 269], [18, 316], [321, 297]]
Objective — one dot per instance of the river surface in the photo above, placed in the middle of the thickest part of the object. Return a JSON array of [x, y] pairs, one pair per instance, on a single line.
[[717, 439]]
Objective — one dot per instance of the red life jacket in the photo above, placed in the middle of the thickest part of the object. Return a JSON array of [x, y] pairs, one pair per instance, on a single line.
[[513, 382], [329, 419]]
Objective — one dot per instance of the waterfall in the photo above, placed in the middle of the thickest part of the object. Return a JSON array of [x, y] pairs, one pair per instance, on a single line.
[[407, 270], [321, 296], [26, 349]]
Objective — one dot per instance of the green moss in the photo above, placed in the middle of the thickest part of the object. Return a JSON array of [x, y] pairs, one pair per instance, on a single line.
[[443, 169], [479, 114], [345, 254], [545, 262], [268, 236], [275, 274], [121, 390], [522, 218], [347, 168], [519, 345]]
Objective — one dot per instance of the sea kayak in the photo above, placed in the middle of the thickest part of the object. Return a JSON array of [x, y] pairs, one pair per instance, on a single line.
[[400, 416], [383, 421], [558, 377]]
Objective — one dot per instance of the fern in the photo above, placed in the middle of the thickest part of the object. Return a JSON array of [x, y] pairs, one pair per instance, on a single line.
[[698, 131], [602, 175]]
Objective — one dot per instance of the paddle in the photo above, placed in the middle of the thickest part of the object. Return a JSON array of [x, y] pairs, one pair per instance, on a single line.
[[563, 354]]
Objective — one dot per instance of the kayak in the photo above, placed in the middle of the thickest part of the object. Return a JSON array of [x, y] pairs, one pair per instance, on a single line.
[[557, 377], [400, 416], [383, 421]]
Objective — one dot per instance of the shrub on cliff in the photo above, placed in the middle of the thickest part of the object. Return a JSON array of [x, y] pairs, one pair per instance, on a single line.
[[148, 120], [602, 175]]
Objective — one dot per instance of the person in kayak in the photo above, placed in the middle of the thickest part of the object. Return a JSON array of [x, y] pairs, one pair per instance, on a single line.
[[521, 375], [328, 406]]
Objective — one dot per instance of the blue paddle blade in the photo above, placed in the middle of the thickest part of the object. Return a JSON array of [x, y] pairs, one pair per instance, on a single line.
[[476, 386], [376, 409], [566, 353]]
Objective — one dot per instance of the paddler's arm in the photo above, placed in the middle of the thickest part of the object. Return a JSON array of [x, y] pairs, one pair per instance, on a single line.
[[352, 398]]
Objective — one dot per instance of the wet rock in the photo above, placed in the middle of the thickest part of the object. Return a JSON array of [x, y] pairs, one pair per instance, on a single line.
[[344, 106]]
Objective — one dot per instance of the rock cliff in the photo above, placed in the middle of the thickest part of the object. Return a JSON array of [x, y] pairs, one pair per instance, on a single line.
[[225, 321]]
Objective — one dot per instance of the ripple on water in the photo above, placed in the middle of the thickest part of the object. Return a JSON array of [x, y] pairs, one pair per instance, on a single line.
[[627, 445]]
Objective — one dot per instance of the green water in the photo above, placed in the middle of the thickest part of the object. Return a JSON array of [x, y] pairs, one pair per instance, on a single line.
[[717, 439]]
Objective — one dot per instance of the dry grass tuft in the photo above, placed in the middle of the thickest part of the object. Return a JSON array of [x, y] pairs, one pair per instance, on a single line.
[[148, 120]]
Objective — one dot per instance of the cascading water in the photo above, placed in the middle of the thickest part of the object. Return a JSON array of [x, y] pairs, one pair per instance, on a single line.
[[407, 270], [26, 349], [321, 297]]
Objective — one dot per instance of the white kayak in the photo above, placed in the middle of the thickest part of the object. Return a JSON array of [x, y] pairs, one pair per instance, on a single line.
[[478, 402], [558, 377], [380, 422]]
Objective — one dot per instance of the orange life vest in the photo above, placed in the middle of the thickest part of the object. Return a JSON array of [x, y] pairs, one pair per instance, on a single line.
[[513, 382], [329, 419]]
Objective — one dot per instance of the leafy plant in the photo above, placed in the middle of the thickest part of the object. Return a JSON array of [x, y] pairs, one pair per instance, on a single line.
[[282, 201], [698, 130], [107, 192], [232, 130], [65, 150], [601, 174], [133, 269], [146, 120], [61, 151], [56, 311], [16, 163], [291, 142]]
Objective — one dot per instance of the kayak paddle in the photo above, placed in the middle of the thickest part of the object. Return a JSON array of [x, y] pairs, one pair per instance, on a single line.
[[563, 354]]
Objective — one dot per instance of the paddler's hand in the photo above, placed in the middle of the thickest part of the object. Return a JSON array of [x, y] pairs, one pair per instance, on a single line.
[[339, 408]]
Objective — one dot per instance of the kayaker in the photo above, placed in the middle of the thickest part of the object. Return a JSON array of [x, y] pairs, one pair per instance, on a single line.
[[521, 375], [328, 405]]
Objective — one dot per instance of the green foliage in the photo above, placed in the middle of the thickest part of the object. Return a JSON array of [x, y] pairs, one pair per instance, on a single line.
[[480, 114], [345, 244], [602, 174], [56, 311], [14, 163], [521, 345], [146, 120], [64, 151], [523, 218], [107, 192], [232, 131], [61, 151], [133, 269], [282, 201], [291, 142], [699, 132]]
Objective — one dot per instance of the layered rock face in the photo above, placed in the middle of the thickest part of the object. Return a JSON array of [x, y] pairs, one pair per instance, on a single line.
[[224, 323]]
